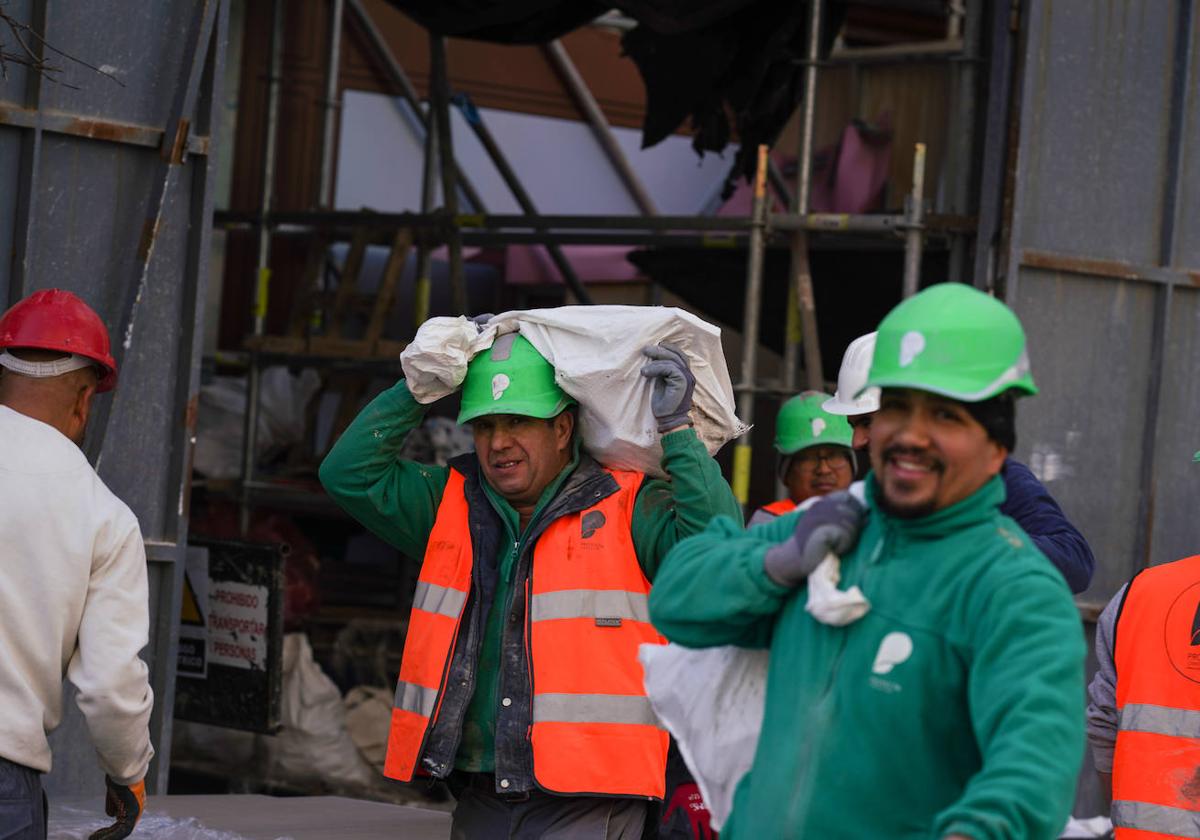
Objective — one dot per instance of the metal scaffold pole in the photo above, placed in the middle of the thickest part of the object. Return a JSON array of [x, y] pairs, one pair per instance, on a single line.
[[591, 111], [754, 278], [475, 120], [802, 307], [332, 105], [424, 282], [263, 276], [439, 99], [916, 214]]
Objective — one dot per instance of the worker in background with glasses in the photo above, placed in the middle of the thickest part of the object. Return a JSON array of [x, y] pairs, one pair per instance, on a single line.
[[815, 454]]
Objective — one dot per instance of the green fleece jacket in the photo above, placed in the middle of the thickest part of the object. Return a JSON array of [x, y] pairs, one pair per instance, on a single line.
[[398, 500], [954, 706]]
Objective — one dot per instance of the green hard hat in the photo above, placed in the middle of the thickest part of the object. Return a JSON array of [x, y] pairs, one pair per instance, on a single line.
[[952, 340], [1196, 458], [511, 378], [802, 423]]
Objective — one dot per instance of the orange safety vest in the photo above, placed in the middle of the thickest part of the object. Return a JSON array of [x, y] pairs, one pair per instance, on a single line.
[[593, 730], [1156, 762], [780, 507]]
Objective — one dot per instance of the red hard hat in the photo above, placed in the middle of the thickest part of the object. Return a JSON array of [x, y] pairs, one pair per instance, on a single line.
[[56, 320]]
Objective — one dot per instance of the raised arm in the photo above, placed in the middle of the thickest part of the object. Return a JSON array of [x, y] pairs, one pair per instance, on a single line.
[[394, 498], [668, 511]]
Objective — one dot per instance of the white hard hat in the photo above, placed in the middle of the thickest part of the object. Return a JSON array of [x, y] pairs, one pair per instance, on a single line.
[[856, 365]]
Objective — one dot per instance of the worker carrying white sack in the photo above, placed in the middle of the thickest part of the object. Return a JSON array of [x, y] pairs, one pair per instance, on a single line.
[[520, 683], [74, 600]]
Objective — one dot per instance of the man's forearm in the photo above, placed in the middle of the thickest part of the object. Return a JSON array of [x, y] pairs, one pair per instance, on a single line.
[[364, 474], [712, 590]]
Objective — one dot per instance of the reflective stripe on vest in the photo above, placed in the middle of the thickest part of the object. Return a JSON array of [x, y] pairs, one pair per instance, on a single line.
[[1156, 761], [780, 507], [593, 730], [441, 595], [1160, 820]]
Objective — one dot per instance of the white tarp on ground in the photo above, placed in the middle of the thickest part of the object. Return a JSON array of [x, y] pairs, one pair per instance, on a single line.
[[596, 352], [74, 823]]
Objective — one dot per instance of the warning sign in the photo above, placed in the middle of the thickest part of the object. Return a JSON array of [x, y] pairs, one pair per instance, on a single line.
[[231, 635], [192, 659], [237, 624]]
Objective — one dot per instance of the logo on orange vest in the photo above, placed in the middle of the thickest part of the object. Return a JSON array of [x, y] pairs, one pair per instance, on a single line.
[[1183, 633], [593, 521]]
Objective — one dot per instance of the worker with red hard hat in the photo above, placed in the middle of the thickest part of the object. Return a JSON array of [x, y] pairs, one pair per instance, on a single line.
[[74, 598]]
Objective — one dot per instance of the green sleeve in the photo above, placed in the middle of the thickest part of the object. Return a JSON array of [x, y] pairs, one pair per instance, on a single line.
[[395, 499], [1025, 692], [712, 589], [667, 511]]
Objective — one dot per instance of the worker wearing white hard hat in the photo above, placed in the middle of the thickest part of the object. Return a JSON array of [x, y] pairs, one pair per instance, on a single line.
[[1026, 499], [858, 410]]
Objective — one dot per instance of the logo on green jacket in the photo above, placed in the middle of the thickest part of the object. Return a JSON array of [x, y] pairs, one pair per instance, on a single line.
[[895, 649]]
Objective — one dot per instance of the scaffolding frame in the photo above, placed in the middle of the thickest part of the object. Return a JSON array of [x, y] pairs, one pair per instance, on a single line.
[[433, 227]]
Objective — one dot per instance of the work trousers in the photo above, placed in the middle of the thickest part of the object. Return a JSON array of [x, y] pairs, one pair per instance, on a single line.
[[482, 814], [22, 803]]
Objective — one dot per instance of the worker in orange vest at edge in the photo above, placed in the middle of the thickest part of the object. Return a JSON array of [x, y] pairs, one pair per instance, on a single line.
[[520, 684], [1144, 714], [815, 457], [74, 598]]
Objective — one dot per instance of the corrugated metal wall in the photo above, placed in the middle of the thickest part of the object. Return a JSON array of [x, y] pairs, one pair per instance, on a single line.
[[105, 190], [1105, 229], [1103, 265]]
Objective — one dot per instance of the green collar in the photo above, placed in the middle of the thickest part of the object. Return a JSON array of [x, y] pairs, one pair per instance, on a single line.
[[972, 510], [508, 513]]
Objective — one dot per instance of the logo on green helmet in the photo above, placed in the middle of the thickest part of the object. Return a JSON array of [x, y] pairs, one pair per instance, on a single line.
[[910, 347], [500, 383]]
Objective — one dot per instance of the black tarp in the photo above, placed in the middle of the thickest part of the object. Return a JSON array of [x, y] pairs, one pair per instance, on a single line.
[[731, 67]]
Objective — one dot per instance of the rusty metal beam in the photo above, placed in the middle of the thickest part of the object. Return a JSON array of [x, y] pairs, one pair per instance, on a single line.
[[94, 128], [1111, 269]]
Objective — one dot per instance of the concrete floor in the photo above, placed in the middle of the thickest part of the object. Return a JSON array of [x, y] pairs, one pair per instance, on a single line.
[[255, 817]]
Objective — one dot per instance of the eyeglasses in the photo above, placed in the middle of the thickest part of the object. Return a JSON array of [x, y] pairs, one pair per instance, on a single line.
[[813, 460]]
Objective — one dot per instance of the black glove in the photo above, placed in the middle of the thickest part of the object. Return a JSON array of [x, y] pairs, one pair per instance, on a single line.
[[671, 398], [125, 802], [830, 525]]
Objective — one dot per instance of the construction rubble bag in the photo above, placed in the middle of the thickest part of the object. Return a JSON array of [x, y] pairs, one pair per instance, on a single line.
[[313, 743], [596, 352], [712, 701]]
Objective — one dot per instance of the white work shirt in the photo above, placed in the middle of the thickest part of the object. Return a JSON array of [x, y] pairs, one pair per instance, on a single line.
[[74, 602]]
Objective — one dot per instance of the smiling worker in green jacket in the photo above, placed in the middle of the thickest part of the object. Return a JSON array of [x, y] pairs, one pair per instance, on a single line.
[[952, 709]]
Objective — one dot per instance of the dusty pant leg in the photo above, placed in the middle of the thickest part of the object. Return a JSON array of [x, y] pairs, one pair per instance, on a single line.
[[550, 817], [22, 816], [478, 816]]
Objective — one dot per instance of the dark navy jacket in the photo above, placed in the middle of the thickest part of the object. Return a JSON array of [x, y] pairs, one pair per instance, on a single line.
[[1031, 505]]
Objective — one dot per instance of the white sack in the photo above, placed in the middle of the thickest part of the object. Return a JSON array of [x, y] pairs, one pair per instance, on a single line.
[[435, 361], [712, 701], [313, 743], [597, 355]]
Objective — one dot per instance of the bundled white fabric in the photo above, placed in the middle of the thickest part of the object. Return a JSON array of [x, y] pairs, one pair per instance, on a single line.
[[435, 361], [826, 603], [712, 701], [597, 355]]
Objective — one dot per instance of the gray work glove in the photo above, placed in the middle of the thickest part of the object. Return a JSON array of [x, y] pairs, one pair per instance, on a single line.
[[671, 398], [830, 525], [481, 321]]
